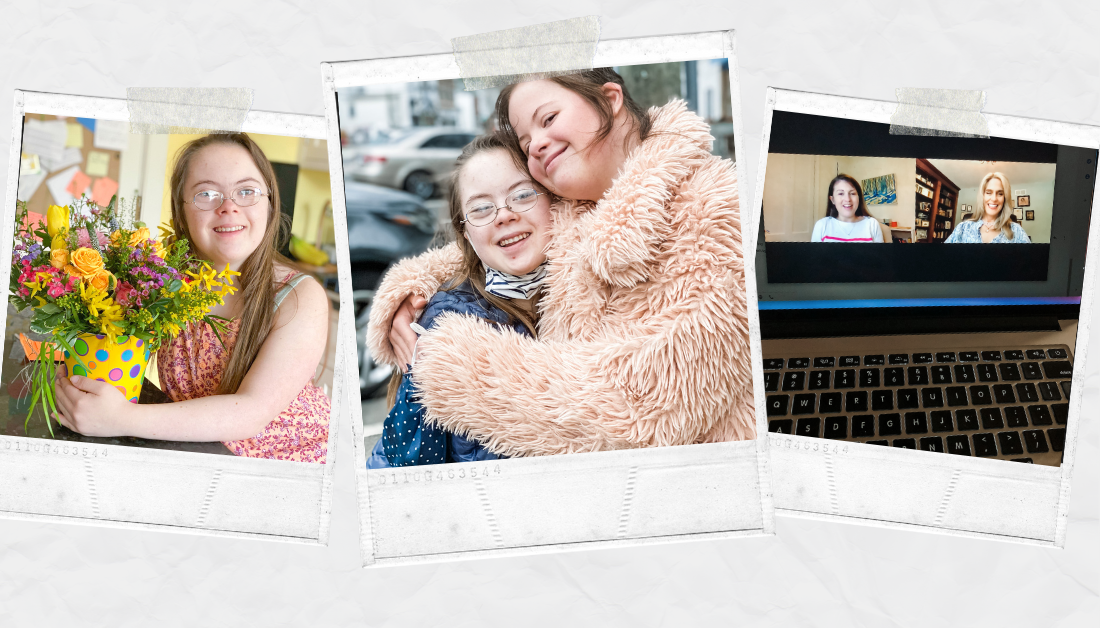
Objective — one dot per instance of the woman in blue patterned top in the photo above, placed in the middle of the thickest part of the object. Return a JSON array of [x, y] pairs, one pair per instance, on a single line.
[[994, 223]]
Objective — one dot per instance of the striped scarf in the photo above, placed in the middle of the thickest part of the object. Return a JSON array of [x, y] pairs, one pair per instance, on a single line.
[[508, 286]]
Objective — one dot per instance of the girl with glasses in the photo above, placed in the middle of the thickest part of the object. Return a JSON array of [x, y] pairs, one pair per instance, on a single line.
[[252, 388], [643, 335], [501, 220]]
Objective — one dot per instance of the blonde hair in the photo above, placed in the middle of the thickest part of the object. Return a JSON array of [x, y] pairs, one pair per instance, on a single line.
[[1004, 219]]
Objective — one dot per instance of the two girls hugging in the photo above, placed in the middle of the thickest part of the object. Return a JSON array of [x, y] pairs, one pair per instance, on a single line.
[[594, 298]]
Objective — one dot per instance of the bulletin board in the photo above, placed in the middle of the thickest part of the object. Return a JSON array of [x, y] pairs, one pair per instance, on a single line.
[[94, 163]]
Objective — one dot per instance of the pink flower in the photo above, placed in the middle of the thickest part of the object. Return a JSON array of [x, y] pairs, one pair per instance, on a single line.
[[125, 295], [83, 240], [57, 289]]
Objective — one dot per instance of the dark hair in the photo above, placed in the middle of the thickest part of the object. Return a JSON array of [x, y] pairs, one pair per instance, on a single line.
[[830, 209], [589, 86], [257, 282]]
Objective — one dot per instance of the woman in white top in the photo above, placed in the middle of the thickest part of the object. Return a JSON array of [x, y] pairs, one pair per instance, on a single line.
[[846, 217]]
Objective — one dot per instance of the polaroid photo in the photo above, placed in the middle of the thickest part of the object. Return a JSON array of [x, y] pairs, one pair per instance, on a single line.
[[931, 382], [462, 460], [137, 263]]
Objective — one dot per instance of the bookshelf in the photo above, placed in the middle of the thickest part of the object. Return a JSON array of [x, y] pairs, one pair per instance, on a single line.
[[937, 201]]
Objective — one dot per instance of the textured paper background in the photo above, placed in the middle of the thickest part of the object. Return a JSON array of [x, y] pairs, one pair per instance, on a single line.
[[1035, 60]]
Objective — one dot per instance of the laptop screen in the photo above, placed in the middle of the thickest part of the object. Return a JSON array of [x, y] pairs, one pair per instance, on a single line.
[[855, 218]]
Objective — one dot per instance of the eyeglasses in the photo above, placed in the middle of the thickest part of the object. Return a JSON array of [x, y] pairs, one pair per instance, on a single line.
[[213, 199], [518, 202]]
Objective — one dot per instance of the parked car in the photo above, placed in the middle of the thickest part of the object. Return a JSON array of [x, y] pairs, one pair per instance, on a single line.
[[418, 160], [384, 226]]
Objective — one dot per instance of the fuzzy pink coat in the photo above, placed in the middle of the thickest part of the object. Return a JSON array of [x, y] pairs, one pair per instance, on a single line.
[[643, 335]]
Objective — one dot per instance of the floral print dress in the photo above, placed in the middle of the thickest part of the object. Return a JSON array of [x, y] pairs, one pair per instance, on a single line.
[[192, 364]]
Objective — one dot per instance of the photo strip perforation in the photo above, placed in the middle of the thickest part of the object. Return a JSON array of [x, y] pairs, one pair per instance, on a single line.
[[92, 278], [394, 117], [903, 325]]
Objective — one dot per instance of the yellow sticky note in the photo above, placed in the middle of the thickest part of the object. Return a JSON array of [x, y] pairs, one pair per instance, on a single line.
[[98, 163], [74, 135]]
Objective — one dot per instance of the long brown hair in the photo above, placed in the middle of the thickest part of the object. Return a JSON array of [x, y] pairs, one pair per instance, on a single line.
[[257, 280], [830, 209]]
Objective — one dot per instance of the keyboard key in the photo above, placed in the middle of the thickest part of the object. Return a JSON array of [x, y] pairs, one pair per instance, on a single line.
[[855, 401], [905, 443], [1014, 354], [988, 356], [894, 377], [1057, 354], [956, 396], [899, 358], [1036, 442], [916, 423], [869, 378], [882, 400], [1058, 370], [849, 360], [1009, 372], [1040, 415], [992, 419], [836, 427], [964, 374], [809, 427], [804, 404], [966, 419], [1065, 388], [781, 426], [798, 363], [1002, 393], [958, 444], [777, 404], [941, 421], [979, 396], [794, 380], [918, 375], [824, 363], [1049, 390], [941, 374], [1031, 370], [945, 357], [1057, 438], [819, 379], [771, 382], [932, 443], [1015, 416], [1061, 412], [830, 402], [772, 364], [968, 356], [987, 373], [922, 358], [931, 397], [889, 424], [874, 360], [844, 379], [1011, 445], [1027, 393], [1036, 354], [908, 399], [985, 445], [884, 443], [863, 425]]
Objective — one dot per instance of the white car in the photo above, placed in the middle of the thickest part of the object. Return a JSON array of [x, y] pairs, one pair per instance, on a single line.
[[418, 160]]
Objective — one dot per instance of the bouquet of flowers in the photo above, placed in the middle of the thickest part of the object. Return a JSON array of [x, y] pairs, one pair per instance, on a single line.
[[107, 293]]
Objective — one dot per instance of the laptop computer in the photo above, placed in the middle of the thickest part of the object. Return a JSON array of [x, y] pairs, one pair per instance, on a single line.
[[931, 339]]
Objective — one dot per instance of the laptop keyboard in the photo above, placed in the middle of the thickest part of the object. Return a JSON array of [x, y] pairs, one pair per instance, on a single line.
[[1010, 404]]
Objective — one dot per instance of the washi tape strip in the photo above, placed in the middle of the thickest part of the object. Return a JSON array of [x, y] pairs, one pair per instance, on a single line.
[[162, 110], [939, 112], [499, 58]]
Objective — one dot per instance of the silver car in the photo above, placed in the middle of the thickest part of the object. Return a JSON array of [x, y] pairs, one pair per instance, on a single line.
[[418, 160]]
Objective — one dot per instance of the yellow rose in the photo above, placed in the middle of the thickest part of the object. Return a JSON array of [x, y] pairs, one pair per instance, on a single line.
[[71, 270], [158, 248], [57, 220], [59, 258], [139, 236], [88, 262], [100, 281]]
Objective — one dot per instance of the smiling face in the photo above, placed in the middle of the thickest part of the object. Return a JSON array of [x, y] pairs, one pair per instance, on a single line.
[[556, 128], [845, 199], [513, 243], [993, 198], [230, 233]]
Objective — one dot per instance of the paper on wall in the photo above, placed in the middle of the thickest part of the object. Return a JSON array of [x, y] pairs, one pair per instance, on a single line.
[[74, 135], [29, 164], [69, 157], [28, 185], [78, 184], [98, 164], [44, 138], [103, 190], [57, 185], [111, 135]]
